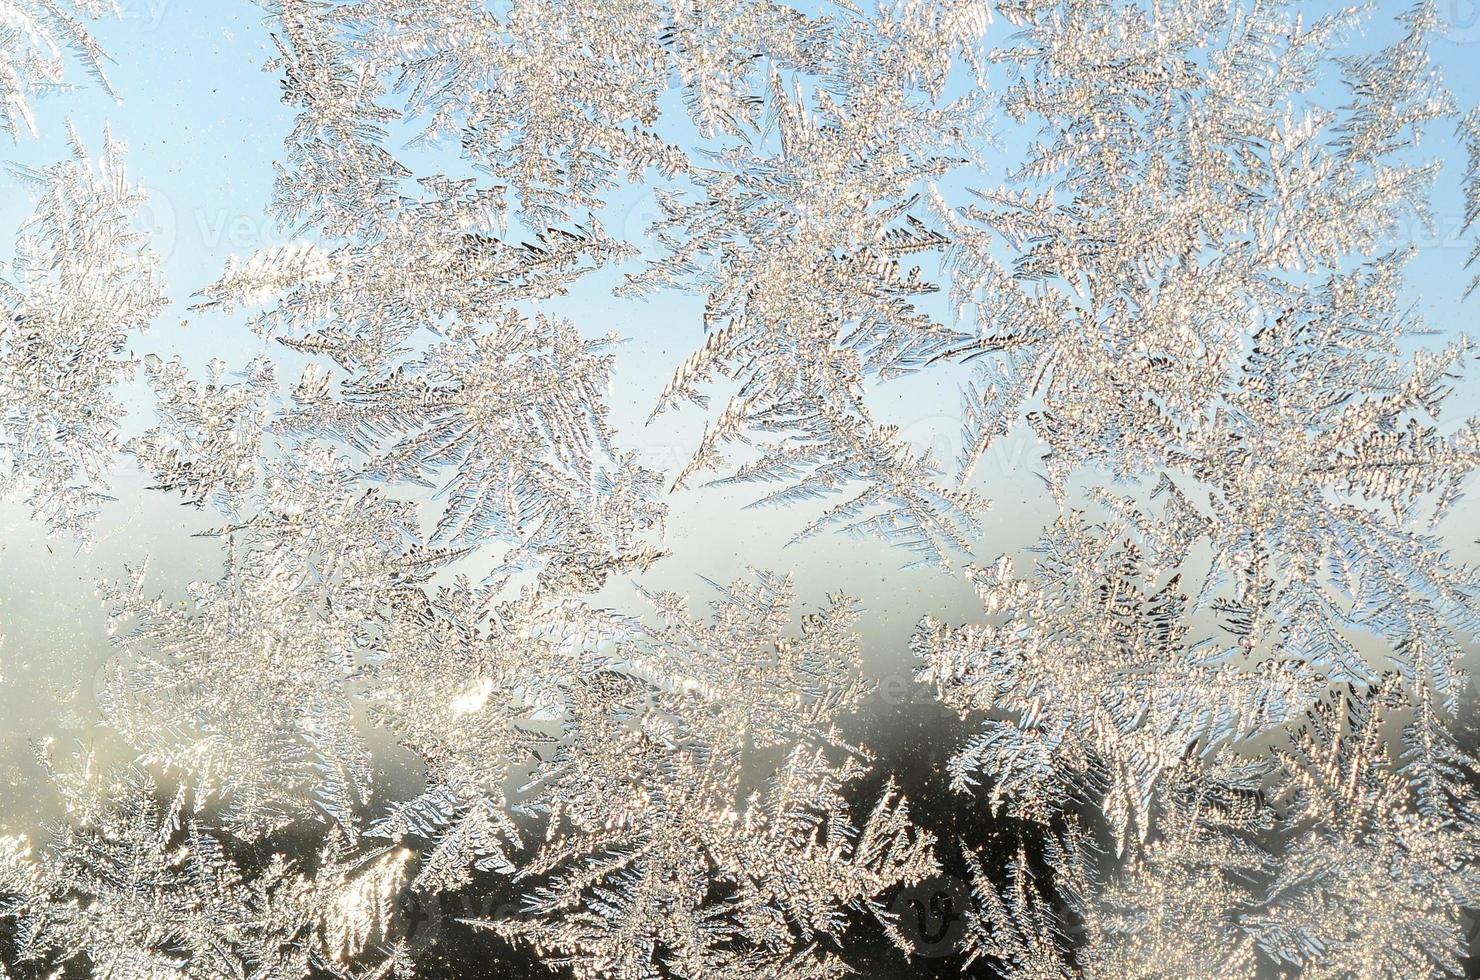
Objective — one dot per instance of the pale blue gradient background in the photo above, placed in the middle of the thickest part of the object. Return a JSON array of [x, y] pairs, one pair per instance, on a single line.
[[204, 124]]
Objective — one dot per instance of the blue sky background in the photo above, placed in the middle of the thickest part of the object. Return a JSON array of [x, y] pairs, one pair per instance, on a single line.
[[204, 124]]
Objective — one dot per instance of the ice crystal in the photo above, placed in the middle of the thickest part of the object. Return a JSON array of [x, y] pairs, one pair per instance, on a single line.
[[1218, 713], [796, 228], [84, 280], [209, 438], [35, 38], [800, 240], [1171, 910], [246, 686], [1200, 295], [515, 416], [1102, 690], [1185, 185], [1355, 832], [136, 886], [661, 861], [1355, 884], [245, 691], [642, 787]]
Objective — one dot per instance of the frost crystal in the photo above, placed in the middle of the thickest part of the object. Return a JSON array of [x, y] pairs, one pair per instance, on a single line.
[[1298, 472], [84, 280], [660, 861], [35, 38], [137, 887], [209, 439], [1215, 721]]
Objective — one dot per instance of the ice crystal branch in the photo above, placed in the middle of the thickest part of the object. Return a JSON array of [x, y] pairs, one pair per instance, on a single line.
[[208, 442], [659, 858], [36, 36], [84, 281], [136, 886]]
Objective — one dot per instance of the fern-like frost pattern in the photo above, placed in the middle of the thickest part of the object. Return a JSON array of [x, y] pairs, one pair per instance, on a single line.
[[1214, 720]]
